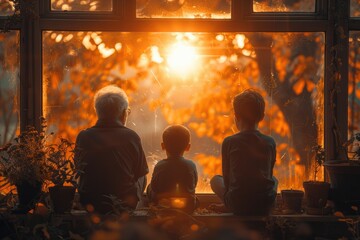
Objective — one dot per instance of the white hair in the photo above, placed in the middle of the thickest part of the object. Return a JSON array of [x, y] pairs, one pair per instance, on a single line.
[[110, 102]]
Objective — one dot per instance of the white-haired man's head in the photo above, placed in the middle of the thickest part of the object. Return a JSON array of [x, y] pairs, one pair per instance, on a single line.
[[111, 103]]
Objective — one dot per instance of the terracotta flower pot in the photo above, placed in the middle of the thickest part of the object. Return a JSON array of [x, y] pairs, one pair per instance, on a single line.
[[316, 195], [62, 198], [292, 201], [345, 184], [28, 195]]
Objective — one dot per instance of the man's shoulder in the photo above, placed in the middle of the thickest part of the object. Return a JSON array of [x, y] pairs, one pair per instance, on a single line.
[[83, 133], [130, 134]]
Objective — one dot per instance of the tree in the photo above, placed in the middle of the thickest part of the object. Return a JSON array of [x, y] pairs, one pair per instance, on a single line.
[[285, 68], [9, 86]]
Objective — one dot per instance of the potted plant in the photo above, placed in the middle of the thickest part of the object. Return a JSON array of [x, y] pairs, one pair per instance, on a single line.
[[63, 174], [345, 178], [22, 163], [292, 201], [316, 192]]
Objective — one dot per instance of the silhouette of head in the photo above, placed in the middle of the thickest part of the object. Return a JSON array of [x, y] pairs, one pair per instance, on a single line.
[[111, 103], [249, 106], [176, 139]]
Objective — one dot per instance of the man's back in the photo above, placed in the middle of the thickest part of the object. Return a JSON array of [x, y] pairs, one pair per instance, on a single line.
[[113, 160]]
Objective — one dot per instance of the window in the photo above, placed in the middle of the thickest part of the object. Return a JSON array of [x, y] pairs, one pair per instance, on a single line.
[[183, 9], [81, 5], [190, 79], [9, 86], [354, 83], [6, 8], [275, 46], [354, 8], [284, 6]]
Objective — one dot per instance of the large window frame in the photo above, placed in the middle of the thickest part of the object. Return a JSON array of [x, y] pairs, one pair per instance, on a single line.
[[329, 17]]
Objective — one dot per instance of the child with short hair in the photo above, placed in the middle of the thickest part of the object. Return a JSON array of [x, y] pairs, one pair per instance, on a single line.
[[247, 186], [174, 176]]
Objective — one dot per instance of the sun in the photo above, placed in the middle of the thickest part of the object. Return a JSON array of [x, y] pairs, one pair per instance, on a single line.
[[182, 59]]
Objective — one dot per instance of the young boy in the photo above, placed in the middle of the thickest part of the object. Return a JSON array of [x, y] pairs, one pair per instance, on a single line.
[[174, 176], [247, 186]]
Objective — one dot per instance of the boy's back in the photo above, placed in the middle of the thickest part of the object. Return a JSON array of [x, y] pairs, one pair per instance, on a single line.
[[174, 175], [247, 186], [248, 160]]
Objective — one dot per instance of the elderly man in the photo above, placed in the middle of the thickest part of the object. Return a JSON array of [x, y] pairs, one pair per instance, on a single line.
[[111, 154]]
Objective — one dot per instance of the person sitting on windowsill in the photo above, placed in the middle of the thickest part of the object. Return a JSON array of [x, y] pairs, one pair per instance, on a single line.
[[247, 186], [175, 178], [111, 155]]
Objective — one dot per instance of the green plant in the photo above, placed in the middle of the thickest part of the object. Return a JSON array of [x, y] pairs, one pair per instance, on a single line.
[[60, 163], [31, 158], [24, 159], [319, 159], [355, 149]]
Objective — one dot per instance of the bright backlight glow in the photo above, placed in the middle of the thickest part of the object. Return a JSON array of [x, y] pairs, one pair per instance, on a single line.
[[182, 59]]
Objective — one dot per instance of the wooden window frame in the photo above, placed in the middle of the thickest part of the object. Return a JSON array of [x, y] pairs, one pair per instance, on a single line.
[[329, 16]]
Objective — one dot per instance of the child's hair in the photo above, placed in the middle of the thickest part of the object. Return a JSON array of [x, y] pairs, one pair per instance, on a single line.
[[249, 106], [176, 138]]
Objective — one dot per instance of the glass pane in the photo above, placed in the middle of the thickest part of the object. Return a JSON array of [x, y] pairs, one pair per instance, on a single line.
[[9, 86], [218, 9], [284, 6], [6, 7], [354, 8], [354, 86], [81, 5], [190, 79]]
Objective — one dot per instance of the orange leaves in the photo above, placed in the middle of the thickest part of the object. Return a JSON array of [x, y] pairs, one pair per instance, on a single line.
[[211, 164], [200, 128], [157, 98], [76, 76], [213, 113], [277, 121], [280, 65], [284, 151], [299, 65], [289, 171], [216, 128], [175, 116], [281, 55], [299, 86], [303, 74], [252, 71]]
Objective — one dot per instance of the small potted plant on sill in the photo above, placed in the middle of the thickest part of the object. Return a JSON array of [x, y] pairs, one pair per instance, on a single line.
[[292, 201], [22, 163], [63, 174], [316, 192], [345, 177]]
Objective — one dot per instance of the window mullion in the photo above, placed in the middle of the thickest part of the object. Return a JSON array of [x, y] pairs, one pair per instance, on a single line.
[[336, 79], [30, 70]]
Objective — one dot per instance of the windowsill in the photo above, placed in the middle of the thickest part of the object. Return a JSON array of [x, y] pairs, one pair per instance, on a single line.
[[330, 226]]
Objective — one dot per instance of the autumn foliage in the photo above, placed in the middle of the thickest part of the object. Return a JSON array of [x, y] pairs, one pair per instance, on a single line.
[[286, 68]]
